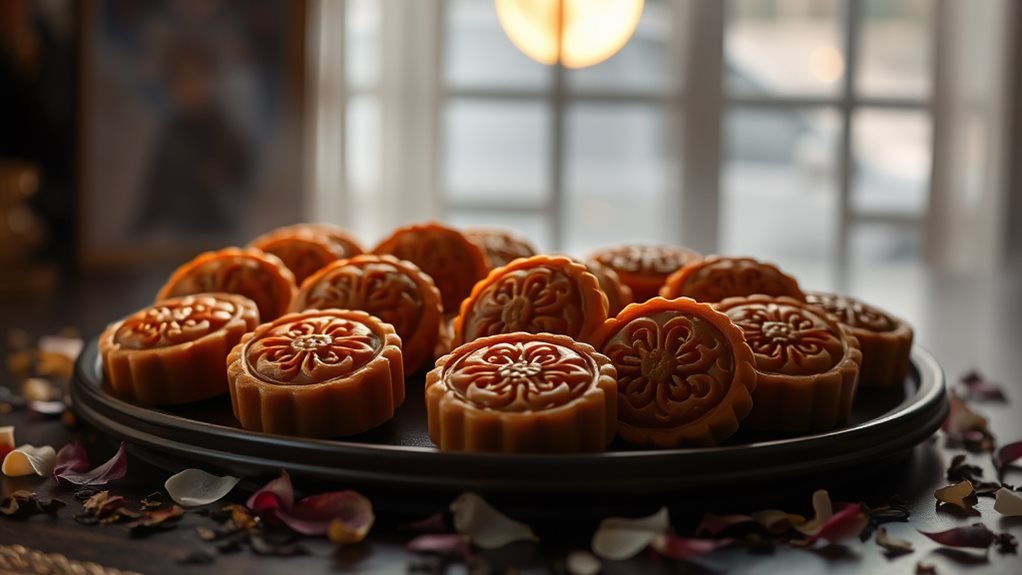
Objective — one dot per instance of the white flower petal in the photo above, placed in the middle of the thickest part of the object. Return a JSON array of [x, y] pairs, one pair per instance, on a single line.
[[1008, 503], [29, 459], [620, 538], [7, 436], [194, 487], [582, 563], [484, 525]]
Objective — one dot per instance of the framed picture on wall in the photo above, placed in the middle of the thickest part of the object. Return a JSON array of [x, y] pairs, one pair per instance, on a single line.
[[190, 134]]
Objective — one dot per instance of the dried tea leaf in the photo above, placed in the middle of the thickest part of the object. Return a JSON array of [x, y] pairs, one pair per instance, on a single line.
[[152, 501], [103, 504], [486, 527], [194, 487], [926, 568], [84, 493], [1007, 455], [621, 538], [582, 563], [960, 470], [1006, 543], [776, 521], [976, 536], [22, 504], [674, 547], [241, 516], [892, 545], [824, 511], [1008, 503], [712, 524], [979, 387], [156, 520], [961, 496], [76, 461], [28, 460]]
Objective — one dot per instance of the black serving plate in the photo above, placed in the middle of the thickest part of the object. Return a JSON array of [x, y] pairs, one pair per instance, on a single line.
[[399, 455]]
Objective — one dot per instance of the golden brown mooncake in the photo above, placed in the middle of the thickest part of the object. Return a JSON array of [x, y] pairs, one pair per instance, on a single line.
[[501, 246], [644, 268], [716, 278]]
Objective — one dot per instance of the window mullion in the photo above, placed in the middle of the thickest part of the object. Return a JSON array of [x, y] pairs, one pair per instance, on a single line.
[[852, 26]]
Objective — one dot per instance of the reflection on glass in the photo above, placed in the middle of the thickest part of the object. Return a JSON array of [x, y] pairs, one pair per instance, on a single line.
[[618, 177], [892, 162], [779, 188], [362, 42], [534, 226], [895, 49], [477, 52], [646, 62], [783, 47], [496, 152]]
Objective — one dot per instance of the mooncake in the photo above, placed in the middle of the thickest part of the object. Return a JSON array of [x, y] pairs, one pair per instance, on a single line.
[[644, 268], [550, 294], [618, 294], [685, 374], [807, 364], [716, 278], [886, 341], [445, 254], [500, 246], [317, 373], [250, 272], [174, 351], [395, 291], [522, 392], [343, 240], [302, 251]]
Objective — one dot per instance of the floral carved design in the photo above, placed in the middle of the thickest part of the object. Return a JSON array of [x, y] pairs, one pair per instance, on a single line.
[[536, 299], [852, 312], [645, 259], [521, 376], [787, 339], [240, 275], [171, 323], [446, 259], [312, 350], [671, 370], [380, 288], [501, 247], [726, 278]]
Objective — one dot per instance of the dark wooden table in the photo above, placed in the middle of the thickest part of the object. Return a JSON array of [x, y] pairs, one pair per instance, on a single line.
[[967, 322]]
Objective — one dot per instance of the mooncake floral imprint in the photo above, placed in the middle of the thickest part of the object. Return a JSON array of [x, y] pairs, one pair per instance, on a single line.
[[644, 268], [718, 277]]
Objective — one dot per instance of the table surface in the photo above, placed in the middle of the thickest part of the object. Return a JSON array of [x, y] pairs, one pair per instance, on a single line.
[[967, 322]]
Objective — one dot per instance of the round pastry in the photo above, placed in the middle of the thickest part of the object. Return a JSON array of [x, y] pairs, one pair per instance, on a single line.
[[302, 251], [250, 272], [886, 341], [522, 392], [395, 291], [447, 256], [549, 294], [807, 363], [618, 294], [174, 351], [685, 374], [445, 339], [500, 246], [644, 268], [342, 240], [318, 373], [716, 278]]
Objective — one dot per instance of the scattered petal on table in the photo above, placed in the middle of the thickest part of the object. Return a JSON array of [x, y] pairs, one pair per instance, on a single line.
[[484, 525], [582, 563], [277, 494], [670, 545], [22, 504], [621, 538], [115, 468], [982, 388], [926, 568], [960, 469], [346, 515], [194, 487], [712, 524], [1007, 455], [846, 523], [1008, 503], [71, 457], [962, 419], [893, 545], [156, 520], [823, 509], [1006, 543], [961, 495], [441, 544], [776, 521], [29, 459], [976, 536]]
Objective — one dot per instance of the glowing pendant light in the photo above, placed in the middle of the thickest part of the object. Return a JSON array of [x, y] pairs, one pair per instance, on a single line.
[[578, 33]]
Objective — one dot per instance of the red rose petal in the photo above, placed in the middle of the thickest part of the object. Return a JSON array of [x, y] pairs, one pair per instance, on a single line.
[[847, 522], [712, 524], [313, 515], [73, 467], [674, 547], [980, 387], [976, 536], [72, 457], [1007, 455], [441, 544], [277, 494]]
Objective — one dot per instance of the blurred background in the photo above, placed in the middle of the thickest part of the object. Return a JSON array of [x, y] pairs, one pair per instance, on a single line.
[[846, 140]]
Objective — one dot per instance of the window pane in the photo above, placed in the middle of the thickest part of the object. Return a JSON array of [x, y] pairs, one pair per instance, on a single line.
[[646, 62], [779, 185], [618, 180], [895, 48], [892, 162], [883, 242], [362, 43], [362, 156], [479, 54], [496, 152], [534, 226], [783, 47]]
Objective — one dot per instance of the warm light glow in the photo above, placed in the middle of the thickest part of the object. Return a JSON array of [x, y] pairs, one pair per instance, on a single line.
[[593, 30], [826, 64]]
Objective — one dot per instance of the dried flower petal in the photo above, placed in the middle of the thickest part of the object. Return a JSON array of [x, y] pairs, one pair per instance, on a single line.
[[893, 545], [194, 487], [926, 568], [276, 494], [982, 388], [441, 544], [776, 521], [824, 511], [486, 527], [976, 536], [960, 470], [29, 459], [1007, 455], [71, 457], [1008, 503], [1006, 543], [847, 522], [960, 495], [319, 515], [712, 524], [582, 563], [156, 520], [621, 538], [961, 419], [152, 501], [670, 545], [22, 504], [115, 468]]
